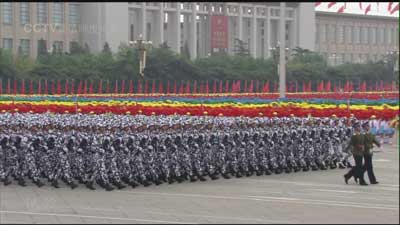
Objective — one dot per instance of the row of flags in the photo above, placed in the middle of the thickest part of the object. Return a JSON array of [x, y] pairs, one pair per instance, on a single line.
[[392, 6], [184, 87]]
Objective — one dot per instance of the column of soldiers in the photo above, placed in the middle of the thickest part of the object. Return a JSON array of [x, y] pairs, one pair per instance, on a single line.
[[139, 150]]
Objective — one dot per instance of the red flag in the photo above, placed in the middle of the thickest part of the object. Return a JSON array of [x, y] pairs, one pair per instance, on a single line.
[[351, 86], [39, 87], [187, 91], [174, 87], [15, 86], [91, 87], [53, 87], [390, 6], [331, 4], [23, 87], [123, 86], [79, 88], [227, 86], [8, 87], [381, 86], [364, 86], [275, 87], [85, 87], [1, 86], [58, 87], [66, 87], [257, 85], [328, 86], [168, 86], [367, 9], [360, 5], [220, 86], [146, 87], [139, 87], [195, 86], [251, 87], [130, 86], [201, 87], [153, 87], [245, 86], [341, 9], [396, 8], [100, 89], [334, 87], [160, 87], [317, 4], [266, 87], [181, 88], [108, 87], [215, 87]]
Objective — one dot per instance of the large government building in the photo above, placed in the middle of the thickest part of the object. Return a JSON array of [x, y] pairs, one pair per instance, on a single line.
[[203, 28]]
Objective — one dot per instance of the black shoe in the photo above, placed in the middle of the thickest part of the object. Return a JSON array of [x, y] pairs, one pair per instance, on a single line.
[[55, 184], [278, 171], [375, 182], [73, 185], [21, 182], [157, 182], [193, 179], [8, 182], [170, 181], [238, 175], [226, 176], [38, 183], [363, 183], [201, 178], [90, 185], [109, 188], [214, 177], [258, 173], [306, 168], [146, 184], [120, 186], [287, 170], [346, 180], [356, 180]]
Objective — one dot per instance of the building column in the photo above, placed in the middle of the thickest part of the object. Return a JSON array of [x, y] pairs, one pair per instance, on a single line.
[[253, 48], [143, 21], [176, 29], [294, 29], [240, 23], [159, 26], [193, 33], [282, 51], [267, 34], [66, 26]]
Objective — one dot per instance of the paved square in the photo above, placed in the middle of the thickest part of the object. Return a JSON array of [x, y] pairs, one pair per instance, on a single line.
[[303, 197]]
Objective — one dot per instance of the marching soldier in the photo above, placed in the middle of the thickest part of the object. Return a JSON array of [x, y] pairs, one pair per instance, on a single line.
[[370, 139]]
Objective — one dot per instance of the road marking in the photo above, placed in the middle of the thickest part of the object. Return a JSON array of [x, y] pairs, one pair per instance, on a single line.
[[272, 198], [381, 160], [93, 217], [196, 215], [326, 190]]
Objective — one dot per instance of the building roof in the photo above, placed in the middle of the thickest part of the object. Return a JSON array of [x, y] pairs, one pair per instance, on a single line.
[[358, 16]]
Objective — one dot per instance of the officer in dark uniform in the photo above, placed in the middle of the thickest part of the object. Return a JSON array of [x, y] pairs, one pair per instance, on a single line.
[[369, 140], [357, 142]]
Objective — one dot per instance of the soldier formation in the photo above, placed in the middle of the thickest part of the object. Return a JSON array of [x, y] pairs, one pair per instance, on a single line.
[[119, 150]]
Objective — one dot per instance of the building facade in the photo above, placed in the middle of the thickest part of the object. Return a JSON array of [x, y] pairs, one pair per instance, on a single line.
[[342, 37], [179, 25]]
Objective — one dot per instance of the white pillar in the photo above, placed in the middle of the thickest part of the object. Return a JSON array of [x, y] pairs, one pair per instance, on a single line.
[[240, 23], [143, 21], [159, 26], [193, 33], [282, 53], [254, 34], [267, 34], [176, 29]]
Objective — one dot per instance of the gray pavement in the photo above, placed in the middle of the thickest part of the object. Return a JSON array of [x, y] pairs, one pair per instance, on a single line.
[[303, 197]]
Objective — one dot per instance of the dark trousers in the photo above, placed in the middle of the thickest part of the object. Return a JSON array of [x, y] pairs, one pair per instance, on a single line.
[[358, 170], [368, 167]]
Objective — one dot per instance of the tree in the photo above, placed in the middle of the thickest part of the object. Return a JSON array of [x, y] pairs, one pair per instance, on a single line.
[[42, 49], [241, 48], [164, 45], [86, 49], [106, 49], [186, 51], [75, 48]]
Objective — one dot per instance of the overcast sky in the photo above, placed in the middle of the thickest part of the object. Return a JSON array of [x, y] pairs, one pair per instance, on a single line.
[[353, 7]]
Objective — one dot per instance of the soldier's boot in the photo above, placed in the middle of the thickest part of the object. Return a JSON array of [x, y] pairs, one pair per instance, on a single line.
[[226, 176], [80, 180], [192, 179], [348, 164], [15, 177], [108, 187], [288, 170], [296, 169], [21, 182], [268, 172], [333, 165], [180, 179], [341, 165], [306, 168], [171, 180], [258, 173], [54, 183], [157, 181], [38, 183], [201, 178], [146, 183], [278, 171], [73, 185], [214, 177], [120, 185], [89, 185], [6, 182], [322, 167]]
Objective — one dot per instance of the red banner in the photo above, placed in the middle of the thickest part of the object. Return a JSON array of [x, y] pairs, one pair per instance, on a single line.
[[219, 32]]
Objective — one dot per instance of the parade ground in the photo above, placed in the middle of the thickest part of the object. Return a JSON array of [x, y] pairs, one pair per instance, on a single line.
[[303, 197]]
